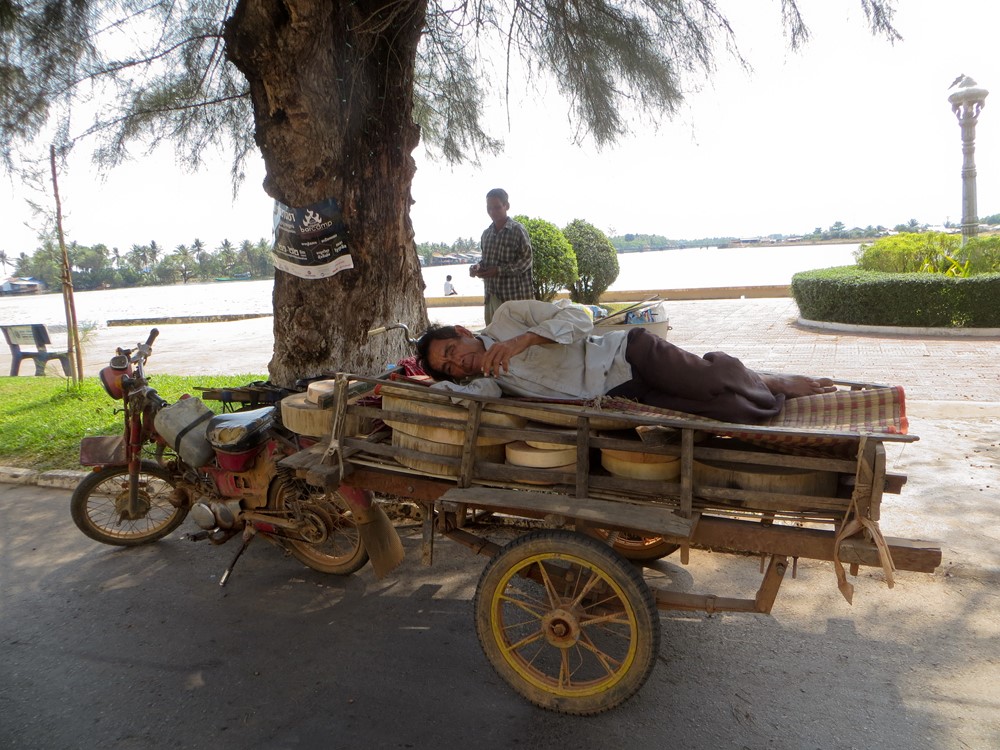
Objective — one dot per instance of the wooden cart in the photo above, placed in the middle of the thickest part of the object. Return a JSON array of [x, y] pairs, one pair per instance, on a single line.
[[563, 612]]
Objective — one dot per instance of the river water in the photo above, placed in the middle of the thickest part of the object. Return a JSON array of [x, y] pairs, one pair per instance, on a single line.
[[663, 269]]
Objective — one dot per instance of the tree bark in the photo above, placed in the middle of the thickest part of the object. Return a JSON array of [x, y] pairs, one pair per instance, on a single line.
[[332, 87]]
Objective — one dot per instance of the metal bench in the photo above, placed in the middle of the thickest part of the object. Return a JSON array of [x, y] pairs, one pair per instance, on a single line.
[[36, 336]]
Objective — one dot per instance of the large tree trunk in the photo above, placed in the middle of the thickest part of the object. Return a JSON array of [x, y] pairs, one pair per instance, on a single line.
[[332, 88]]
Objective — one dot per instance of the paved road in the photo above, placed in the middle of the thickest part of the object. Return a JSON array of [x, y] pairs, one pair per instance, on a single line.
[[140, 648]]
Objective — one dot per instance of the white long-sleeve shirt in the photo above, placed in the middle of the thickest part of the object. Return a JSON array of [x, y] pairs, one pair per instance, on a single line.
[[578, 365]]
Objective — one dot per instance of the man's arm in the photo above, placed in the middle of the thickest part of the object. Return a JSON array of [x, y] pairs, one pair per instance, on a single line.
[[521, 324], [497, 358]]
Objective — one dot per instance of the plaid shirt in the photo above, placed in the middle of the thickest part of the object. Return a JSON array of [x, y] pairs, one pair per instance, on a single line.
[[510, 250]]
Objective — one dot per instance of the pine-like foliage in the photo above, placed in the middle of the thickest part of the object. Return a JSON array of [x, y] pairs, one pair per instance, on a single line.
[[140, 72]]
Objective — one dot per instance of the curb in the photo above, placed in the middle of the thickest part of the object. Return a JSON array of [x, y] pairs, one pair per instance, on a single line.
[[63, 479], [955, 333]]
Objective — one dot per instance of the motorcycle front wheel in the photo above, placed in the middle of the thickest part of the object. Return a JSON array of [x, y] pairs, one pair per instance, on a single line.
[[100, 506], [331, 540]]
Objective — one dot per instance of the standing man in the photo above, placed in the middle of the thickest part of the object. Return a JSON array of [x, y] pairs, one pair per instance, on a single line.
[[505, 267]]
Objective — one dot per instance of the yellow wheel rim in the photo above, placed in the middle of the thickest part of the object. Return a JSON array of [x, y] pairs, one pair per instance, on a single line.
[[571, 635]]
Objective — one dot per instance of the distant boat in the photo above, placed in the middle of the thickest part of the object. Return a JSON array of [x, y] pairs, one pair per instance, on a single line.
[[235, 277]]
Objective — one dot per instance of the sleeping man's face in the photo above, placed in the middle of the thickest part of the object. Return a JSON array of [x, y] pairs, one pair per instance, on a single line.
[[460, 357]]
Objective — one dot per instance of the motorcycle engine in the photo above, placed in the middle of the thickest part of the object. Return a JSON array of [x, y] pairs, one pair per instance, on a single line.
[[215, 515]]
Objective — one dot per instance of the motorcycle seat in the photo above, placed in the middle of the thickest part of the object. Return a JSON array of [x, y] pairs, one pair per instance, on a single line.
[[240, 430]]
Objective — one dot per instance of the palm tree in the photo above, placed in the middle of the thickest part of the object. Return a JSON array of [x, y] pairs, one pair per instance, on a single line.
[[137, 257], [246, 253], [4, 260], [185, 262]]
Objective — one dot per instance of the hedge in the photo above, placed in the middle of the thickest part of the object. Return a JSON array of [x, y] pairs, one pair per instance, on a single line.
[[848, 294]]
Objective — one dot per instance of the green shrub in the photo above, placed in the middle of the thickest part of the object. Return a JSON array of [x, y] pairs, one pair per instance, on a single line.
[[982, 254], [596, 261], [553, 262], [855, 296], [909, 253]]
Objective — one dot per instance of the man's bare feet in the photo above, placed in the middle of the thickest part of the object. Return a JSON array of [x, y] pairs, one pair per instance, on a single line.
[[794, 386]]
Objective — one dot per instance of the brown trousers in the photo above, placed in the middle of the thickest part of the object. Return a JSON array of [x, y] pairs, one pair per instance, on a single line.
[[717, 385]]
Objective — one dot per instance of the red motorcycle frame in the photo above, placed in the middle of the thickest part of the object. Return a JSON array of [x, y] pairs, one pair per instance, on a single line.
[[142, 488]]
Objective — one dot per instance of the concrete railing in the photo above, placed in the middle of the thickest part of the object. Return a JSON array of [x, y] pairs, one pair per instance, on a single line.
[[637, 295]]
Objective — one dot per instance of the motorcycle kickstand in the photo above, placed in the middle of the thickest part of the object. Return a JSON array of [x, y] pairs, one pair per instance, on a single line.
[[248, 534]]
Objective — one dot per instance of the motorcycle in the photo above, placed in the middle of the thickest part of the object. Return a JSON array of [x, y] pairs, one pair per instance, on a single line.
[[177, 459]]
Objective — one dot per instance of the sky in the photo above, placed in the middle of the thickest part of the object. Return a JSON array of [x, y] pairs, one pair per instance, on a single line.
[[851, 128]]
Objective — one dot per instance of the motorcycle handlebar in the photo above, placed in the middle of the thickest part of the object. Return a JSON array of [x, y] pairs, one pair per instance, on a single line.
[[145, 349], [401, 326]]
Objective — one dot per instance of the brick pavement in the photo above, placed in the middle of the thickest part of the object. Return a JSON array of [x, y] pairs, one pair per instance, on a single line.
[[765, 335], [762, 332]]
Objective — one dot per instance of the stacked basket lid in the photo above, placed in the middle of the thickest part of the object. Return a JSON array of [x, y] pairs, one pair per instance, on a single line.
[[537, 454], [301, 412], [439, 440], [557, 456]]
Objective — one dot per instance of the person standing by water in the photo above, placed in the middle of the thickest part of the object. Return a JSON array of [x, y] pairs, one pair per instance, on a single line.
[[449, 288], [505, 267]]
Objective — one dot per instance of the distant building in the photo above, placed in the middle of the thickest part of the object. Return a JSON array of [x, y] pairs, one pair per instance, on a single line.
[[22, 285]]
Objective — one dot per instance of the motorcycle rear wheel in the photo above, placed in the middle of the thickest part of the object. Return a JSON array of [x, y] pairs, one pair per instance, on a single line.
[[99, 506], [338, 549]]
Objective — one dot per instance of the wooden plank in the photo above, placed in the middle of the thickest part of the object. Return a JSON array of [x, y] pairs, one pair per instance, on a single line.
[[468, 446], [667, 599], [893, 483], [305, 458], [603, 513], [907, 554], [792, 541], [761, 500], [878, 482], [774, 459], [421, 489], [582, 457], [354, 390], [324, 475], [768, 590], [510, 473], [863, 478], [427, 535], [687, 472]]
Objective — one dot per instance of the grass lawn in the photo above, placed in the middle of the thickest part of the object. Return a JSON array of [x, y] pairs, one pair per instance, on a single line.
[[43, 419]]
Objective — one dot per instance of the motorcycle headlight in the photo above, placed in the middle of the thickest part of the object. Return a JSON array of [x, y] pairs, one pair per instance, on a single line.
[[111, 380]]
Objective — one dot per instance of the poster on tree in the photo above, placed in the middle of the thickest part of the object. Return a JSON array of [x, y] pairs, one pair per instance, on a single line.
[[309, 242]]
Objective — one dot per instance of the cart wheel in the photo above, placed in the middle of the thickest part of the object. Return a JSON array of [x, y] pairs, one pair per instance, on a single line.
[[636, 547], [568, 623]]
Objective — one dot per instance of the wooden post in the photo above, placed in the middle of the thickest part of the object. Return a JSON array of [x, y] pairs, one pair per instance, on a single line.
[[72, 332]]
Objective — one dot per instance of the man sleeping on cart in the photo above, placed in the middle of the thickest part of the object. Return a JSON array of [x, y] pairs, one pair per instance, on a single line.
[[549, 351]]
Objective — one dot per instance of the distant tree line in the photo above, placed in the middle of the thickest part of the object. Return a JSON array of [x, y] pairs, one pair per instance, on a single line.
[[635, 243], [100, 267]]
